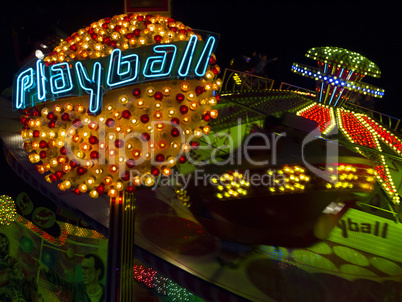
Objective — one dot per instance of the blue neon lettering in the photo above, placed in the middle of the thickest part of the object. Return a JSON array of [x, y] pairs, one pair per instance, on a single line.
[[122, 70], [203, 61], [188, 56], [41, 80], [25, 82], [61, 81], [39, 83], [160, 66], [92, 87]]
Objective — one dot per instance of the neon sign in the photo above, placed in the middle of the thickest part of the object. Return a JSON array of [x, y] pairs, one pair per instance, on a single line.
[[39, 83]]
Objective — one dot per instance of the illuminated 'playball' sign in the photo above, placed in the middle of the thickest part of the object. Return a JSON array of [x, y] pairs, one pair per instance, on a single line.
[[118, 103], [40, 83]]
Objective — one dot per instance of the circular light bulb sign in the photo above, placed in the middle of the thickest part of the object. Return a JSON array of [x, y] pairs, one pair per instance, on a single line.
[[118, 103]]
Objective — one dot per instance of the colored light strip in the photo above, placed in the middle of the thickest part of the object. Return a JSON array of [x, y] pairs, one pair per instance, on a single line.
[[385, 135], [313, 73], [322, 114], [361, 136], [60, 241]]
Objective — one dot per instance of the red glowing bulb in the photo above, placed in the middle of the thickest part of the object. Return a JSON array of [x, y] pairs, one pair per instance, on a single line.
[[183, 109], [93, 140], [130, 163], [130, 189], [125, 176], [155, 171], [65, 116], [94, 155], [52, 124], [35, 112], [137, 32], [81, 171], [206, 117], [35, 133], [182, 159], [144, 118], [43, 144], [53, 178], [126, 114], [42, 154], [199, 90], [77, 123], [160, 157], [180, 97], [100, 189], [158, 38], [110, 123], [175, 132], [195, 145], [136, 92], [119, 143], [145, 137], [158, 96], [76, 191], [59, 174]]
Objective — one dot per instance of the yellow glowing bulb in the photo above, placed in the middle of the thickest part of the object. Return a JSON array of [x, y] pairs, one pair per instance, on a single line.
[[185, 119], [82, 188], [66, 168], [186, 147], [53, 162], [160, 126], [166, 171], [137, 181], [68, 107], [171, 112], [113, 168], [162, 144], [194, 105], [94, 194], [191, 96], [197, 133], [185, 86], [40, 169], [35, 145], [92, 125], [206, 130], [112, 192], [158, 115], [208, 86], [90, 181], [150, 91], [148, 180], [171, 160], [108, 180], [79, 108], [212, 101], [119, 186], [44, 111], [102, 119]]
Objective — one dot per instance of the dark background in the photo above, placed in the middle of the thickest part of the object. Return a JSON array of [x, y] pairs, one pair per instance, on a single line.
[[282, 29]]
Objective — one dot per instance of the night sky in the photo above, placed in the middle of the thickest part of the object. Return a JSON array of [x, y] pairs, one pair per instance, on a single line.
[[282, 29]]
